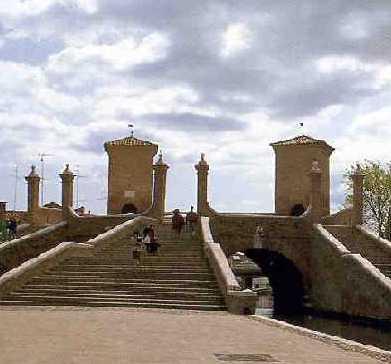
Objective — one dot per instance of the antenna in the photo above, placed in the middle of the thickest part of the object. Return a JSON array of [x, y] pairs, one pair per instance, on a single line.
[[41, 159], [16, 185], [77, 175]]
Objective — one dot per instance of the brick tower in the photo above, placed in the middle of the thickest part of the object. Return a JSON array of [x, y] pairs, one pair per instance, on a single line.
[[294, 160], [130, 175]]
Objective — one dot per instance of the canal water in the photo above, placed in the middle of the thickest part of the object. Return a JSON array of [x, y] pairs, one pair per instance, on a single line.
[[366, 332]]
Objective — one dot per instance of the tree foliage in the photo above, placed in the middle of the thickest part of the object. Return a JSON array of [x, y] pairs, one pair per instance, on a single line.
[[376, 194]]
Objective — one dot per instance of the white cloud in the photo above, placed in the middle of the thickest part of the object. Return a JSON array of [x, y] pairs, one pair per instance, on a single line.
[[335, 63], [19, 8], [118, 56], [27, 8], [236, 38], [123, 60]]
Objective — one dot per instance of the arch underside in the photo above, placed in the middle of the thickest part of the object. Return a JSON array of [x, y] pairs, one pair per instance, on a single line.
[[285, 279]]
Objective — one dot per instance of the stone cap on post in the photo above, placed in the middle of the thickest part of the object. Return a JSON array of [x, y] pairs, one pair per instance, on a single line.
[[67, 174], [202, 164], [160, 163], [33, 174]]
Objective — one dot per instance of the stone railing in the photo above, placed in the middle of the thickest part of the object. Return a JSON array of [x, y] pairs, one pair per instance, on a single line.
[[287, 235], [237, 301], [15, 252], [235, 231], [381, 243], [45, 216], [120, 231], [50, 258], [89, 225], [343, 217], [346, 283], [16, 277]]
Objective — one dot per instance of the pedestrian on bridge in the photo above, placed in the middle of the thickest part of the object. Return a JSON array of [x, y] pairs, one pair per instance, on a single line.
[[191, 220], [12, 228], [177, 222], [150, 239]]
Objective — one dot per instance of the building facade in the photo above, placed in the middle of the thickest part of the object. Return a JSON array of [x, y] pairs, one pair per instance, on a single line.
[[130, 175]]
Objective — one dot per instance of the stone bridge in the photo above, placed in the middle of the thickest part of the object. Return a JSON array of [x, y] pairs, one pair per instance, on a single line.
[[337, 268]]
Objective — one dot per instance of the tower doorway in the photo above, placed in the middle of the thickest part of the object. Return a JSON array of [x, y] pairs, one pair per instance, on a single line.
[[297, 210], [129, 208]]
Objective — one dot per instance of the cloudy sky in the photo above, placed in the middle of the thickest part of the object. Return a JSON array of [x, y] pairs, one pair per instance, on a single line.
[[221, 77]]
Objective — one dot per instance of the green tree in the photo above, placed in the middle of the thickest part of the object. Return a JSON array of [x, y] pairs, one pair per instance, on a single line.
[[377, 195]]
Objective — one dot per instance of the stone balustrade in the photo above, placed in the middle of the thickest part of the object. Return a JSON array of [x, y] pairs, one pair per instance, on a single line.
[[15, 252], [347, 283], [237, 301], [16, 277]]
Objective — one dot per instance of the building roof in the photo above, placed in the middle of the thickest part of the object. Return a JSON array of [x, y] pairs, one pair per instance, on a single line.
[[302, 140], [128, 141]]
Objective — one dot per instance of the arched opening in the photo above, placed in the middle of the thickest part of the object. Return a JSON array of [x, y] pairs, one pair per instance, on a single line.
[[284, 277], [129, 208], [297, 210]]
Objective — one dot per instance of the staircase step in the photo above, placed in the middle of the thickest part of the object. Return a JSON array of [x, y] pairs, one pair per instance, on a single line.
[[172, 296], [127, 282], [178, 276], [183, 306]]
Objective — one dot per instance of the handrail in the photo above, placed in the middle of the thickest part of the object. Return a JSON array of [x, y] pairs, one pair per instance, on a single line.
[[118, 230], [219, 261], [238, 301], [384, 243], [334, 242], [19, 275]]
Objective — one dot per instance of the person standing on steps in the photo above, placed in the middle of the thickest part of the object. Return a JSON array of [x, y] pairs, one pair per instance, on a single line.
[[149, 238], [138, 253], [177, 222], [12, 228], [191, 220]]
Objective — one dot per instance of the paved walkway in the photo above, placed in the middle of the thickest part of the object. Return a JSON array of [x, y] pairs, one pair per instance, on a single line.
[[116, 336]]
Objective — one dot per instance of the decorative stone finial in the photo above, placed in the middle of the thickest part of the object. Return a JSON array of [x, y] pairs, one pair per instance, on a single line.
[[203, 161], [33, 172], [67, 170], [160, 160]]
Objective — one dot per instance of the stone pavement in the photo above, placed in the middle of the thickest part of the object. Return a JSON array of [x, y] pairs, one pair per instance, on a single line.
[[120, 335]]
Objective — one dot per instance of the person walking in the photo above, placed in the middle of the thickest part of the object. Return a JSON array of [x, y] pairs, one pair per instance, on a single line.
[[3, 230], [191, 220], [177, 222], [138, 253], [150, 239], [13, 227]]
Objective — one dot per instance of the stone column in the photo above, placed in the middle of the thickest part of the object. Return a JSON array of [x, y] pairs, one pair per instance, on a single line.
[[358, 197], [3, 210], [202, 187], [67, 178], [159, 188], [33, 180], [316, 192]]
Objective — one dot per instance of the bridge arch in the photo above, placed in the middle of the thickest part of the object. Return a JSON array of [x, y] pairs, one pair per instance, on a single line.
[[285, 279]]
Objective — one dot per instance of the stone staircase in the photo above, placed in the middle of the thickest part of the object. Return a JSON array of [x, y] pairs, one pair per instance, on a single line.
[[178, 277], [358, 243]]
